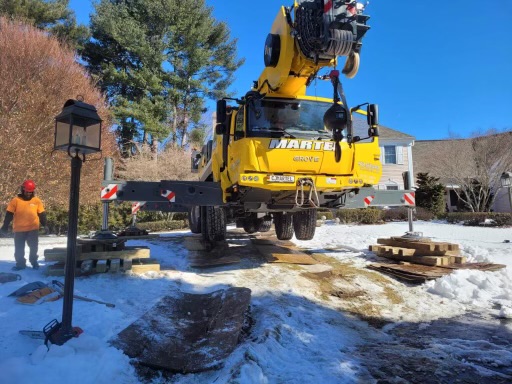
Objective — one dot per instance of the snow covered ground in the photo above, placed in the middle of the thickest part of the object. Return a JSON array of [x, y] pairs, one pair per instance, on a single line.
[[355, 325]]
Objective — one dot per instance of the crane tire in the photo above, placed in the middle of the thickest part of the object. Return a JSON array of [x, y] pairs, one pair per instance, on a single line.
[[304, 224], [194, 219], [284, 225]]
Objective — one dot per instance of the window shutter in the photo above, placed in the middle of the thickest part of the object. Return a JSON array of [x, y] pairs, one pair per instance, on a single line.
[[382, 155], [399, 155]]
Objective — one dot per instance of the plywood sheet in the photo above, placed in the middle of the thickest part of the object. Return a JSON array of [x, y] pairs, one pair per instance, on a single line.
[[291, 258]]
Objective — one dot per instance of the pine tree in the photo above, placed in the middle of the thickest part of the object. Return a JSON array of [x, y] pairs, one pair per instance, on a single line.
[[55, 16], [430, 194], [157, 61]]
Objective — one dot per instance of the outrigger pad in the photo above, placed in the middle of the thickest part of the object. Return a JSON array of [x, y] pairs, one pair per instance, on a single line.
[[189, 333]]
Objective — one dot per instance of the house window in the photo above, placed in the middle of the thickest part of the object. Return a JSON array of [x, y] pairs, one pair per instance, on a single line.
[[391, 154]]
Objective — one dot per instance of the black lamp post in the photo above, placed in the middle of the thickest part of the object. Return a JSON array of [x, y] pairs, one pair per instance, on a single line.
[[77, 132], [506, 182]]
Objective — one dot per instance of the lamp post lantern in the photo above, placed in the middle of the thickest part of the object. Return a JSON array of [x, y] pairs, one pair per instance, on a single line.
[[77, 132], [506, 182]]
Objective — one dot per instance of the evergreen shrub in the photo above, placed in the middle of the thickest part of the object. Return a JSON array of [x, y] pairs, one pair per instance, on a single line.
[[476, 219], [360, 215]]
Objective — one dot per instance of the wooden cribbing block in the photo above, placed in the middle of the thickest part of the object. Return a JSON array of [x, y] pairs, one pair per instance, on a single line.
[[392, 250], [422, 246], [458, 259], [101, 266], [145, 265], [115, 265], [411, 251], [87, 266], [425, 260], [57, 269], [60, 254], [126, 264]]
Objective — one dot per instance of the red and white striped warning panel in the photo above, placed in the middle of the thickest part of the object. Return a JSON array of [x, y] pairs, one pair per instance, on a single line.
[[137, 206], [410, 198], [169, 195], [109, 192], [368, 200]]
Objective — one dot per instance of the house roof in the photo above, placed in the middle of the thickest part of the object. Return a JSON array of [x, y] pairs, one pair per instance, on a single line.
[[388, 133], [424, 152], [360, 127], [433, 156]]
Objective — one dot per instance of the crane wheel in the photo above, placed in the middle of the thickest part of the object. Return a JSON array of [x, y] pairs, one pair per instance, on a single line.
[[284, 225], [194, 219], [351, 65], [213, 223]]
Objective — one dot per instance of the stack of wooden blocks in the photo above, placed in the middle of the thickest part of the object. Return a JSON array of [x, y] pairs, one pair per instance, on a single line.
[[99, 256], [422, 251]]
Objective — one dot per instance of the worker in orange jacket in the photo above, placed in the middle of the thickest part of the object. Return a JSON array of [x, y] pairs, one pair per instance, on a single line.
[[28, 213]]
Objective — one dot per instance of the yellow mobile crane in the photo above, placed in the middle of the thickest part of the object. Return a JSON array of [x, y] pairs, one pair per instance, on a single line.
[[281, 154], [276, 154]]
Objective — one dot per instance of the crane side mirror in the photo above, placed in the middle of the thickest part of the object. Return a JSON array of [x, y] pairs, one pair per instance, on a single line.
[[372, 114], [220, 126]]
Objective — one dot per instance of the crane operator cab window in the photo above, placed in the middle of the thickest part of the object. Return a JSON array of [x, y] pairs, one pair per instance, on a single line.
[[287, 118]]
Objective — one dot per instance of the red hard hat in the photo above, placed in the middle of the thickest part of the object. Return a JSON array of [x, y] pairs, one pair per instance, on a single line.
[[29, 186]]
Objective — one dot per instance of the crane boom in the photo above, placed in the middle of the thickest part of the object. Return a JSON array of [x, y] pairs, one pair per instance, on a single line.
[[306, 37]]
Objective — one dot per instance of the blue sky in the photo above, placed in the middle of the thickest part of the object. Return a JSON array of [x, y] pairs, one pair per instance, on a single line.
[[435, 68]]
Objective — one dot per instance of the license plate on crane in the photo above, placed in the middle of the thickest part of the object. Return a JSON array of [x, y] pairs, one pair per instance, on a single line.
[[281, 179]]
